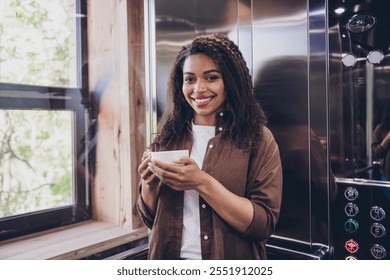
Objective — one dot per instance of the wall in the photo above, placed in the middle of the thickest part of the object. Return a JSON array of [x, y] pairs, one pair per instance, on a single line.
[[116, 79]]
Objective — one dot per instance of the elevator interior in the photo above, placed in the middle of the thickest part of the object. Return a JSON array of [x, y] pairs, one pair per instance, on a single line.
[[321, 72]]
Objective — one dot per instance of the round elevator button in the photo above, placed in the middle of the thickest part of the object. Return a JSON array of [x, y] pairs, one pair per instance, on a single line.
[[351, 209], [378, 251], [351, 246], [349, 60], [351, 193], [351, 225], [377, 213], [378, 230], [375, 57]]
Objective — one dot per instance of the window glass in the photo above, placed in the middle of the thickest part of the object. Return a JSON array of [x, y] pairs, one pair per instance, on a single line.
[[38, 42], [36, 166], [44, 116]]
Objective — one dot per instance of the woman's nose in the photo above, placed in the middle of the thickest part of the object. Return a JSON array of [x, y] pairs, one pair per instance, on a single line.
[[199, 87]]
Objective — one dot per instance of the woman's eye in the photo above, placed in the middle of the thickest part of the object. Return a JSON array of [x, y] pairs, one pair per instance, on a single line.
[[212, 78], [189, 80]]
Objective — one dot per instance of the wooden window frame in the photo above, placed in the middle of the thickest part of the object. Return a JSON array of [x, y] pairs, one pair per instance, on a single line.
[[116, 78]]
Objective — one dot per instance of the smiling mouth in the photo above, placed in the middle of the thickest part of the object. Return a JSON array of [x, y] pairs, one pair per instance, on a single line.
[[203, 101]]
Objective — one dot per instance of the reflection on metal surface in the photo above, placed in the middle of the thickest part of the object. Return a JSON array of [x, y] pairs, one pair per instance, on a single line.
[[283, 93], [361, 23], [375, 57], [358, 93], [349, 60]]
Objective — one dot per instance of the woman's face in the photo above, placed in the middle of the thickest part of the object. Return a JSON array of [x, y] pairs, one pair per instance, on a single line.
[[203, 88]]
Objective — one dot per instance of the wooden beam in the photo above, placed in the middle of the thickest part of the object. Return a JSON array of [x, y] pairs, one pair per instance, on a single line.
[[136, 46], [116, 78]]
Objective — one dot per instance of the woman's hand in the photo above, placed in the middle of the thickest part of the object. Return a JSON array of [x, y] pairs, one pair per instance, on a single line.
[[150, 183], [185, 174], [146, 174], [235, 210]]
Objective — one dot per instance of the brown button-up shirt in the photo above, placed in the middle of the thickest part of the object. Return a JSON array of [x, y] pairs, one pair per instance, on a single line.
[[256, 176]]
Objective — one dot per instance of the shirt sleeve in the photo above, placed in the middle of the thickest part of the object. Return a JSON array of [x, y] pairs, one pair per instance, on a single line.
[[143, 210], [265, 190]]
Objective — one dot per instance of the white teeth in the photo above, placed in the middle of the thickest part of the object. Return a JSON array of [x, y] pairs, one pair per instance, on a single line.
[[197, 100]]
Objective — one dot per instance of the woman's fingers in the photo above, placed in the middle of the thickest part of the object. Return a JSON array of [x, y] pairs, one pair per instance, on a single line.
[[144, 170], [180, 176]]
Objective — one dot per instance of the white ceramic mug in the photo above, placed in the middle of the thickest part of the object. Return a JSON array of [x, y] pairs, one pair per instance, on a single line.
[[169, 156]]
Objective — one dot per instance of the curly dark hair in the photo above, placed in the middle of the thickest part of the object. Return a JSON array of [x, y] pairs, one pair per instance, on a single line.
[[243, 114]]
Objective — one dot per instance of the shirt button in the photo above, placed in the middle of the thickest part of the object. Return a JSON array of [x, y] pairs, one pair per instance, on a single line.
[[205, 237], [203, 206], [220, 128], [221, 114], [211, 146]]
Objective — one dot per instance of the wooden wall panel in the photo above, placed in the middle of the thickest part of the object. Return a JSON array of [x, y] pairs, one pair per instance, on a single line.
[[116, 78], [136, 45]]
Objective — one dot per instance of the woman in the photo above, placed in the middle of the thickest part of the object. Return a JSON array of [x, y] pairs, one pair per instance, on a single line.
[[223, 201]]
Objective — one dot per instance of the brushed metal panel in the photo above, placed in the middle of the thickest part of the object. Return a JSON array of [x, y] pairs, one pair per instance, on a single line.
[[175, 23], [323, 188], [280, 67]]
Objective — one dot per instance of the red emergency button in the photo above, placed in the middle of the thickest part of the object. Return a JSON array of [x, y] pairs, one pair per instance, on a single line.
[[351, 246]]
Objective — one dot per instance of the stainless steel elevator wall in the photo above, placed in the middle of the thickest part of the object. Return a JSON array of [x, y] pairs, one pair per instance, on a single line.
[[274, 39], [321, 111]]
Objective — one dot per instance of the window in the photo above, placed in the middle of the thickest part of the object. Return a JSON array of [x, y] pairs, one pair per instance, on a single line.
[[44, 115]]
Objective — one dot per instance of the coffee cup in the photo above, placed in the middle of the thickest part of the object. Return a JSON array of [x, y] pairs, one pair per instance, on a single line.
[[169, 156]]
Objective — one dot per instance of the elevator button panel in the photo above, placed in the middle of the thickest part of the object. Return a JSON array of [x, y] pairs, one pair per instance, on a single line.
[[358, 220]]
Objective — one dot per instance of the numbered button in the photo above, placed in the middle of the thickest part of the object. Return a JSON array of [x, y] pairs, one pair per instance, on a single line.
[[378, 230], [351, 209], [377, 213], [351, 193], [378, 251], [351, 225]]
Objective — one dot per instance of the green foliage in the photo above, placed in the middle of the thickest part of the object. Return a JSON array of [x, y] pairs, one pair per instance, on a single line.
[[36, 166], [38, 42], [37, 47]]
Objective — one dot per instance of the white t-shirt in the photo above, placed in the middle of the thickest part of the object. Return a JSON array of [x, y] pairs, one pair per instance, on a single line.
[[191, 245]]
